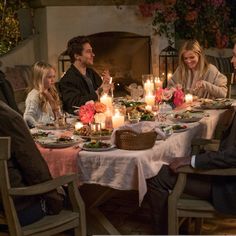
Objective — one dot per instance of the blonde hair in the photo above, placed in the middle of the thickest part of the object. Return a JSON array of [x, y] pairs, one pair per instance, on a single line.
[[192, 45], [40, 71]]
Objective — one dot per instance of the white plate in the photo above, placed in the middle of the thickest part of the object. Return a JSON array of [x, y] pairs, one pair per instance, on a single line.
[[193, 118], [96, 149], [102, 137], [57, 144], [49, 127]]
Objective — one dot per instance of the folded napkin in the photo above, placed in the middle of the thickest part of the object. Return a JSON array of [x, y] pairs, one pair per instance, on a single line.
[[141, 127]]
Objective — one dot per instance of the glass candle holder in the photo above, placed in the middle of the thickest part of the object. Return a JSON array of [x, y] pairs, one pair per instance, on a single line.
[[95, 129], [148, 83]]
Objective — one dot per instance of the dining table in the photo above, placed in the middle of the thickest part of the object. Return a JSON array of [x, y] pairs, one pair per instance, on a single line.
[[102, 173]]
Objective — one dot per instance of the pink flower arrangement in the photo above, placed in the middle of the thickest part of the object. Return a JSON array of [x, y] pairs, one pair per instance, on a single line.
[[174, 96], [87, 112]]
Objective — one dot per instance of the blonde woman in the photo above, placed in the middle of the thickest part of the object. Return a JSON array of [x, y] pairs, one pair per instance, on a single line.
[[42, 102], [196, 75]]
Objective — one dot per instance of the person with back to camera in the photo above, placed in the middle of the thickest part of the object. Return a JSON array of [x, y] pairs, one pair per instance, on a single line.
[[42, 102], [81, 83], [196, 75], [7, 93], [27, 167]]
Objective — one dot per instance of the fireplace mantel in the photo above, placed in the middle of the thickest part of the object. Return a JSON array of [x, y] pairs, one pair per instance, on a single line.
[[45, 3]]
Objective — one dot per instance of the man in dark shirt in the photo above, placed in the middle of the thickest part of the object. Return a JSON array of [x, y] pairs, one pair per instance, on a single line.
[[81, 83]]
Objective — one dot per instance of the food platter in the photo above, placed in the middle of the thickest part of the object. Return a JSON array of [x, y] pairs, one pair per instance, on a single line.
[[57, 143], [178, 128], [87, 147], [104, 134], [216, 104], [96, 137], [52, 127], [186, 117]]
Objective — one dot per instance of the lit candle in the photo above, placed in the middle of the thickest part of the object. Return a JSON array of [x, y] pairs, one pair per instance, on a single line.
[[169, 75], [107, 100], [150, 99], [117, 119], [148, 86], [158, 83], [188, 98], [103, 125], [78, 125], [148, 108]]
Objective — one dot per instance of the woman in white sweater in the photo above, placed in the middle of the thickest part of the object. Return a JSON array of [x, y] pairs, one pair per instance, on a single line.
[[196, 75], [42, 102]]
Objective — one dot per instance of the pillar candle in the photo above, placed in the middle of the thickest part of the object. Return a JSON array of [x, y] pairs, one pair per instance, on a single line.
[[150, 99], [148, 86], [117, 119], [107, 100]]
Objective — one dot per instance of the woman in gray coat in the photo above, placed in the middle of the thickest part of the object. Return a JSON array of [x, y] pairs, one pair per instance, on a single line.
[[196, 75]]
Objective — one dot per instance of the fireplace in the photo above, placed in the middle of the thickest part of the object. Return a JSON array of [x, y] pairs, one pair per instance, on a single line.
[[126, 55]]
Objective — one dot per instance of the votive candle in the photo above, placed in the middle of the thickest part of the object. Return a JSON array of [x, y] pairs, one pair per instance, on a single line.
[[188, 98], [78, 125]]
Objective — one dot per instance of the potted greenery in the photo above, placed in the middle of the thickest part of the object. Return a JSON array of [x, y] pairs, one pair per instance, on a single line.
[[207, 21]]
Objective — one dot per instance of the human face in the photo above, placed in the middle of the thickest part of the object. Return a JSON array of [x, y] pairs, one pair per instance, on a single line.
[[49, 79], [87, 55], [191, 59], [233, 60]]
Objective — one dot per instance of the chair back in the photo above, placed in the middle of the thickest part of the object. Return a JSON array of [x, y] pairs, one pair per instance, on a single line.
[[8, 216], [49, 225]]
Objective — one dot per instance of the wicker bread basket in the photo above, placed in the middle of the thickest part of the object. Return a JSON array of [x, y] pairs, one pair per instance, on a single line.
[[130, 140]]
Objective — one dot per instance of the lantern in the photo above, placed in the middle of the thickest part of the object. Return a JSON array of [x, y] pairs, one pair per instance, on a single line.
[[168, 62]]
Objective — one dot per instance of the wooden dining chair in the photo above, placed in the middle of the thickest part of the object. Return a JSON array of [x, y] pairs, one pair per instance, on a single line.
[[181, 206], [73, 218]]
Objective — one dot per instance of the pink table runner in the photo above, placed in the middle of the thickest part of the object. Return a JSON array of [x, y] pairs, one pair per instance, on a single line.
[[60, 161]]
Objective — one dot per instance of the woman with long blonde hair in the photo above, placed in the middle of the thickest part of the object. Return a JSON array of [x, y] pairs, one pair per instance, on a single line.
[[196, 75], [42, 102]]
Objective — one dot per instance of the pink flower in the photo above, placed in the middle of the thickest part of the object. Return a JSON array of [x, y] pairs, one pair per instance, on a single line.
[[86, 113], [178, 97]]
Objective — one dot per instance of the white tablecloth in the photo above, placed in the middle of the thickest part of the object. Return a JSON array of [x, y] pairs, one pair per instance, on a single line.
[[128, 170]]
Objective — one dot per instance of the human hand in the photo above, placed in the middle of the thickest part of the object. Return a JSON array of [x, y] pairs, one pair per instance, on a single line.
[[106, 87], [199, 85], [106, 76], [178, 162]]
